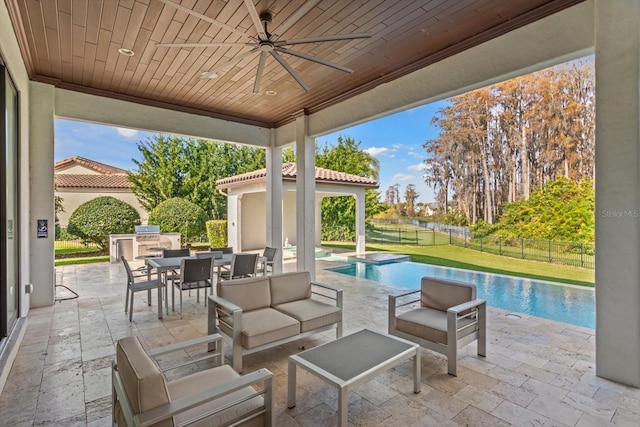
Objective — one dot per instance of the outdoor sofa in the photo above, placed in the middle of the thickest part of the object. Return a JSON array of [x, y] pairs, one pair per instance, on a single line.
[[257, 313]]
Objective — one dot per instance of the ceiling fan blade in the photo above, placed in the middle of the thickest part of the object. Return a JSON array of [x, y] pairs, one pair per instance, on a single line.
[[253, 13], [201, 44], [296, 16], [323, 39], [204, 17], [228, 64], [315, 59], [256, 84], [290, 70]]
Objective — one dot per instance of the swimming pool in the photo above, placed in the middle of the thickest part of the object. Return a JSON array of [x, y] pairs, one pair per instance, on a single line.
[[564, 303]]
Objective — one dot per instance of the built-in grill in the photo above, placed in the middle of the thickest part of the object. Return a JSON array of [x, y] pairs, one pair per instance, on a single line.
[[148, 241], [145, 242]]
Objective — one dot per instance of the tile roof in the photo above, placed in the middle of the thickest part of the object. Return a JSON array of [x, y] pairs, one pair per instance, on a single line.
[[91, 164], [326, 176], [113, 181]]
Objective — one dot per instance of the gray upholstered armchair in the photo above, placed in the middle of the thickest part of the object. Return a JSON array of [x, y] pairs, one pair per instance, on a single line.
[[218, 396], [448, 317]]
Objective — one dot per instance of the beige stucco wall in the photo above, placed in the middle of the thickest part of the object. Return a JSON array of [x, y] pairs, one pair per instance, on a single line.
[[254, 221], [77, 169], [71, 199]]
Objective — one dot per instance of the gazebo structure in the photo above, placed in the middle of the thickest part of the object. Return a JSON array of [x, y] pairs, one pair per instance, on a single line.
[[101, 61], [247, 210]]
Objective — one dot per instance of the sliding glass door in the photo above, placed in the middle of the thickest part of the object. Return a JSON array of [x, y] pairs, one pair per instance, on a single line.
[[9, 290]]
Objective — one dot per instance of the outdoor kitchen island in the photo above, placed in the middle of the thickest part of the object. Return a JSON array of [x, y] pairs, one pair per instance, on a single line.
[[146, 241]]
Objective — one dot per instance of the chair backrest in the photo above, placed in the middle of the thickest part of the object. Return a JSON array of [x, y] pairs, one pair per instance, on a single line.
[[175, 253], [243, 265], [227, 250], [201, 255], [195, 270], [441, 294], [270, 253], [141, 377], [130, 278]]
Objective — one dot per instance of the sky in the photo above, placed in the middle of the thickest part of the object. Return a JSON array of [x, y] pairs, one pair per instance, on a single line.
[[396, 141]]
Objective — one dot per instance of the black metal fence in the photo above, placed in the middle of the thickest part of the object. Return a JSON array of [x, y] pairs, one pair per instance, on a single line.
[[415, 232]]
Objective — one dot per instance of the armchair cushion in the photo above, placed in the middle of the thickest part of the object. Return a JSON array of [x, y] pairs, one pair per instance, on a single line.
[[141, 377], [290, 287], [263, 326], [204, 380], [430, 324], [312, 314], [441, 294], [248, 294]]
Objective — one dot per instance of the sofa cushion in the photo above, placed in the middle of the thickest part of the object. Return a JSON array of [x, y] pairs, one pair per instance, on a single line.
[[142, 379], [290, 287], [249, 294], [207, 379], [430, 324], [312, 314], [263, 326], [441, 294]]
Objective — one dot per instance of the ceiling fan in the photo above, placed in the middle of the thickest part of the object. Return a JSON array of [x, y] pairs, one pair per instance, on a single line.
[[266, 44]]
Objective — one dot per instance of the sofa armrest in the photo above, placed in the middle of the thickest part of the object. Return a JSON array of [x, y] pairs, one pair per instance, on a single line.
[[393, 306], [337, 297], [453, 315], [207, 339], [175, 407], [223, 310]]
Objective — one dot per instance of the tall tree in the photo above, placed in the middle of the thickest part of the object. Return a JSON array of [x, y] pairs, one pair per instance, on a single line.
[[497, 143], [347, 156], [187, 168], [410, 196]]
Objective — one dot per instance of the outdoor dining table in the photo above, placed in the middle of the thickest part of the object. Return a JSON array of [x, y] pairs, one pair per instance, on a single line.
[[162, 265]]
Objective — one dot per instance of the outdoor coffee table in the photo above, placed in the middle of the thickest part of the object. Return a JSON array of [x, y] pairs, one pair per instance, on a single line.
[[353, 360]]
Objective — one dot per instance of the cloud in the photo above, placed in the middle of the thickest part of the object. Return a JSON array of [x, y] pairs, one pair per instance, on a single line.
[[403, 177], [415, 154], [129, 133], [376, 151], [420, 167]]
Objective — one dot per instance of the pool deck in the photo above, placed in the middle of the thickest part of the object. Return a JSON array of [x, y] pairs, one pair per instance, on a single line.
[[537, 372]]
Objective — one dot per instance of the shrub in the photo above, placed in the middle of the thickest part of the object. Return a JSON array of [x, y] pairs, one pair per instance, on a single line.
[[94, 220], [179, 216], [217, 233]]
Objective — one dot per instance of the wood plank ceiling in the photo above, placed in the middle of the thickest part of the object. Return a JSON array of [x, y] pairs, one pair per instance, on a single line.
[[74, 44]]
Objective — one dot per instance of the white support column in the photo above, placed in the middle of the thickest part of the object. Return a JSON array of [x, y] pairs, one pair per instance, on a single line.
[[274, 204], [305, 197], [41, 113], [617, 191], [234, 218], [318, 216], [360, 215]]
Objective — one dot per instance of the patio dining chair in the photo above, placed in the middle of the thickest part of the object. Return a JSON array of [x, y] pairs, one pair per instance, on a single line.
[[173, 275], [242, 265], [448, 317], [194, 274], [134, 285], [225, 250], [269, 254]]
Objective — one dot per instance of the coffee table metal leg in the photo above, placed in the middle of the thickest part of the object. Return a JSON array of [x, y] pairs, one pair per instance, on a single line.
[[417, 378], [291, 385], [343, 406]]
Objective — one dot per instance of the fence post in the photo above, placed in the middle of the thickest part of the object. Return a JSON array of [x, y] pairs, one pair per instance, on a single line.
[[522, 240], [399, 236], [549, 250], [433, 236], [481, 238], [416, 237], [581, 254], [499, 245], [450, 239]]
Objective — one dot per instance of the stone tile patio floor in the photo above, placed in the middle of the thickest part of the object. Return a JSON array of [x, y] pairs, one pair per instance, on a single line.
[[537, 372]]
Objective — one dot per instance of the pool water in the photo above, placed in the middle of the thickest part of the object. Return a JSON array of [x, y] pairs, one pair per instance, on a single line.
[[564, 303]]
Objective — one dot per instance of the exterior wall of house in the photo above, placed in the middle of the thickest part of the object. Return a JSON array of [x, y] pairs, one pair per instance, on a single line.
[[254, 221], [77, 169], [72, 198]]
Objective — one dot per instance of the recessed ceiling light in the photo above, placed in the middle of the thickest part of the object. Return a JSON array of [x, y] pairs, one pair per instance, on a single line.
[[209, 75], [271, 92], [125, 51]]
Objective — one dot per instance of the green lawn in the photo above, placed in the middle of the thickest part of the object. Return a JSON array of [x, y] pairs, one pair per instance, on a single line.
[[457, 257]]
